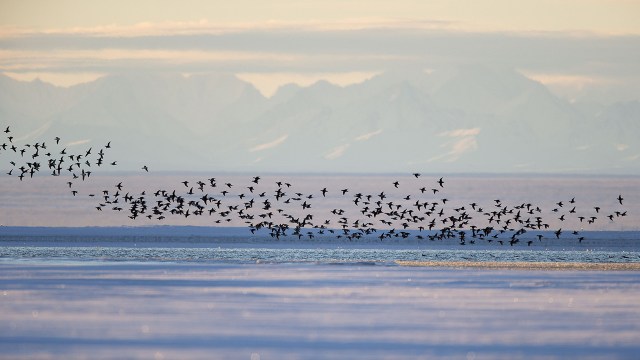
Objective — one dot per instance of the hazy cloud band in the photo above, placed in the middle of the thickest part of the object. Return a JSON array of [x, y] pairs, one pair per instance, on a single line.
[[369, 49]]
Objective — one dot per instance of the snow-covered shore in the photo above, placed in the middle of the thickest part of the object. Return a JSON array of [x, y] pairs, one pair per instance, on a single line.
[[108, 310]]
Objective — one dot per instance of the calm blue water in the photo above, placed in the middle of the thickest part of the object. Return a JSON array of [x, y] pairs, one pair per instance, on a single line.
[[319, 255], [186, 244]]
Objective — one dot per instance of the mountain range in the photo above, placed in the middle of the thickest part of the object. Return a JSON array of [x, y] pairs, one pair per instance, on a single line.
[[460, 120]]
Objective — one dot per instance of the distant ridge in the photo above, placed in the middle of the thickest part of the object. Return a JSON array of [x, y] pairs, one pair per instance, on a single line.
[[468, 119]]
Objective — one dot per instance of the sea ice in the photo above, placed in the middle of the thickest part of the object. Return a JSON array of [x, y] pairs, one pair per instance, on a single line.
[[102, 310]]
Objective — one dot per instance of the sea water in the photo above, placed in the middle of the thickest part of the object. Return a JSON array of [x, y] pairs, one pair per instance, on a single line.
[[384, 256], [202, 244]]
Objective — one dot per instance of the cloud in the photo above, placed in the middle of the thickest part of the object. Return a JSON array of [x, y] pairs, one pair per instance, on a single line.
[[314, 46], [203, 26], [21, 60], [350, 48]]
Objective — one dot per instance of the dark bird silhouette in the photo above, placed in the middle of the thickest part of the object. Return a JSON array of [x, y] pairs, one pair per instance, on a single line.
[[280, 214]]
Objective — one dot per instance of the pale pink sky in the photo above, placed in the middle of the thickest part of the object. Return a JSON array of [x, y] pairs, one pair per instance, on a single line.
[[604, 16], [274, 42]]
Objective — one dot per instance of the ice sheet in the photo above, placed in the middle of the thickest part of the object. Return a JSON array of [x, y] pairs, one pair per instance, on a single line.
[[103, 310]]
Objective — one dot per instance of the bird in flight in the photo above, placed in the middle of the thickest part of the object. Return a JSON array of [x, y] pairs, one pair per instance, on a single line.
[[399, 213]]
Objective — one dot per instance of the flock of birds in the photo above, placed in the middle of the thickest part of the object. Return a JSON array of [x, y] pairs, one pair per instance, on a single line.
[[401, 211], [37, 157]]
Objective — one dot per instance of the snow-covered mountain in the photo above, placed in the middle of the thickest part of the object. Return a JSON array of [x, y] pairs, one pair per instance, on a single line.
[[467, 119]]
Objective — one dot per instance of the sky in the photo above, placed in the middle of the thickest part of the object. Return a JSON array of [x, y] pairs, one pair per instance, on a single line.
[[571, 45]]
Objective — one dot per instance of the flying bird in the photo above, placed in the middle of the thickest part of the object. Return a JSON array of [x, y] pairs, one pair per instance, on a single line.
[[399, 213]]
